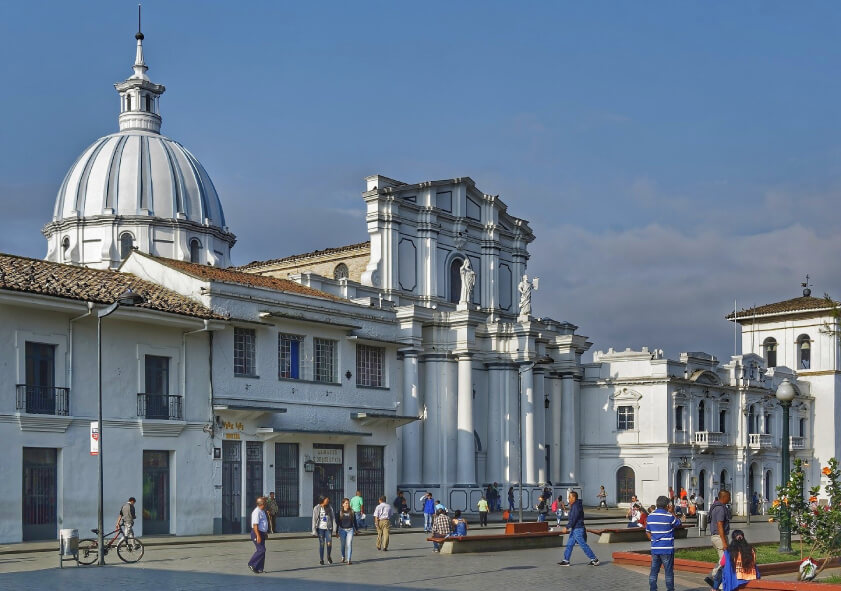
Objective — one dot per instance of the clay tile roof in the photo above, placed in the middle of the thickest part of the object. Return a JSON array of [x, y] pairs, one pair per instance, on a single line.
[[92, 285], [801, 304], [231, 275], [308, 255]]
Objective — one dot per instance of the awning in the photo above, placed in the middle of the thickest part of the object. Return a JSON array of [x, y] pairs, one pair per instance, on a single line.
[[292, 434], [373, 418], [245, 409]]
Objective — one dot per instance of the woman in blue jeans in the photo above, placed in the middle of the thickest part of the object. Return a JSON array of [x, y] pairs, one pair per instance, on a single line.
[[346, 528], [323, 524]]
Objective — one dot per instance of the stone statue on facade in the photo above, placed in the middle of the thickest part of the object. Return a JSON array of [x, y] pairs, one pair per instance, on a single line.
[[525, 288], [468, 281]]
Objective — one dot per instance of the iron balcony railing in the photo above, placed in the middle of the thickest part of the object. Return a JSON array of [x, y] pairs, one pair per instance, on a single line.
[[43, 400], [159, 406]]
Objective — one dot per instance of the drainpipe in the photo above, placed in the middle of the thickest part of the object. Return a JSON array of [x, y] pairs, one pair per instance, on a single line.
[[204, 328], [70, 349]]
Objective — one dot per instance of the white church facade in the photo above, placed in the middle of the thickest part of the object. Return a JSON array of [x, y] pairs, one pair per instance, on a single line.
[[411, 361]]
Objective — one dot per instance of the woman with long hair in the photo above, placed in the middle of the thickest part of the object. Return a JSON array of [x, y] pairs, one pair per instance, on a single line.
[[346, 528], [738, 564]]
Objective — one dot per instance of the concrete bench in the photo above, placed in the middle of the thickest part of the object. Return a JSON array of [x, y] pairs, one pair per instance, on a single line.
[[496, 543], [630, 534]]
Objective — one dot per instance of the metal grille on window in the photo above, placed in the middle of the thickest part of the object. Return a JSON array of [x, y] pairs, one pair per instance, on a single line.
[[244, 351], [625, 418], [286, 479], [289, 356], [325, 360], [371, 475], [369, 366]]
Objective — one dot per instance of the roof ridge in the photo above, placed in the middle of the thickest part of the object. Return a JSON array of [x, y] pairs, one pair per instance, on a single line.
[[304, 255]]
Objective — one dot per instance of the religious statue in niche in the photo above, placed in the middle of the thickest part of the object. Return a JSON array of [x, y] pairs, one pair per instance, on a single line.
[[468, 281], [525, 288]]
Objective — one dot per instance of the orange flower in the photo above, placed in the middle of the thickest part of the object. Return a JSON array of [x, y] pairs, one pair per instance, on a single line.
[[776, 502], [813, 499], [826, 471]]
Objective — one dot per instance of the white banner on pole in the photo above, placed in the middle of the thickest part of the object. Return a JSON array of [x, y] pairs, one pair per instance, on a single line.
[[94, 438]]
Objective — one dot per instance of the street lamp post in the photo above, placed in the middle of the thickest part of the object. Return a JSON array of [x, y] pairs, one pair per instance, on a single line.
[[785, 394], [544, 360], [127, 298]]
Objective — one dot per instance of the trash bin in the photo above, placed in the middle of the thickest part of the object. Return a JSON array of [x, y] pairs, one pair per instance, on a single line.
[[69, 542], [703, 520]]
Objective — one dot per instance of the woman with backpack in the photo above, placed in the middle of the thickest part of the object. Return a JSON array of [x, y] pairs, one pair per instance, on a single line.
[[542, 509]]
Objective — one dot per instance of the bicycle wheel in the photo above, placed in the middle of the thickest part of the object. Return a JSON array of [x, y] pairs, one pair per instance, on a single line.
[[87, 551], [130, 550]]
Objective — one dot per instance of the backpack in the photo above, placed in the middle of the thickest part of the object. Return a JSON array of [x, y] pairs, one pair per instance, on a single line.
[[555, 506]]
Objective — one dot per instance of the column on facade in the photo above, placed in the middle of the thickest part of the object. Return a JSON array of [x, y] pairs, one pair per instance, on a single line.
[[432, 434], [512, 422], [539, 443], [526, 396], [412, 437], [495, 443], [569, 430], [428, 260], [466, 445], [554, 428]]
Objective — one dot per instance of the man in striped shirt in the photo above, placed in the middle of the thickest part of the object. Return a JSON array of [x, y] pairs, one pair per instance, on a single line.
[[660, 529]]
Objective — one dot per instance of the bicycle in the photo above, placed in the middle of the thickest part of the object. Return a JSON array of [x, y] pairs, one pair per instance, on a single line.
[[129, 550]]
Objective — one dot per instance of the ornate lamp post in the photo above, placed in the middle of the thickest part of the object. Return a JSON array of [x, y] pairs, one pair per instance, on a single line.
[[785, 394], [127, 298], [544, 360]]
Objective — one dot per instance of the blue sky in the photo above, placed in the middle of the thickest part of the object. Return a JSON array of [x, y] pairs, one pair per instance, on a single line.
[[670, 156]]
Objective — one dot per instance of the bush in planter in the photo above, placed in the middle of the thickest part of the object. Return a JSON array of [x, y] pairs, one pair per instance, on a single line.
[[819, 527]]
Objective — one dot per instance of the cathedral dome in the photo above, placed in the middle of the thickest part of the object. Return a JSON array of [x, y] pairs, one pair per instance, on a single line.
[[138, 189]]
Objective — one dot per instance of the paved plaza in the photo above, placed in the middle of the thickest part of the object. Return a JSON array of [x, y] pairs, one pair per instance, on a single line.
[[292, 563]]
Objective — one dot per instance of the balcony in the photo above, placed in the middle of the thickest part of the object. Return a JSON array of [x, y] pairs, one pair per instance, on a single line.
[[164, 407], [43, 400], [797, 443], [760, 441], [710, 439]]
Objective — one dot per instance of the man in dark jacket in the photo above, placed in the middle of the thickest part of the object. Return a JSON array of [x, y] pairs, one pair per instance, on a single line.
[[428, 512], [577, 532]]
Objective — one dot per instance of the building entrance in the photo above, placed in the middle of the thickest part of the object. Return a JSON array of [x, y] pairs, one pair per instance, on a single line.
[[155, 492], [328, 474], [231, 487], [40, 480]]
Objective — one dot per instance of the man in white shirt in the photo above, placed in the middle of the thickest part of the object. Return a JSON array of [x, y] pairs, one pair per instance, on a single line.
[[382, 514], [259, 534]]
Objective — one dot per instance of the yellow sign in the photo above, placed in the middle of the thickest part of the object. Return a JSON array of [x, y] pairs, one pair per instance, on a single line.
[[231, 435]]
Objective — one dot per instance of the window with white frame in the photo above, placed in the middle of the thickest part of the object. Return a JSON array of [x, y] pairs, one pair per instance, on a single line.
[[289, 356], [245, 352], [324, 360], [370, 362], [625, 418], [804, 352]]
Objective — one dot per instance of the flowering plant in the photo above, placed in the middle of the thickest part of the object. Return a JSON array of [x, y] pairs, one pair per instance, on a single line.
[[819, 526]]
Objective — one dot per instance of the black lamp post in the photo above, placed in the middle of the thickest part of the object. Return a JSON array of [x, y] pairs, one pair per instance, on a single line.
[[785, 394], [127, 298], [543, 360]]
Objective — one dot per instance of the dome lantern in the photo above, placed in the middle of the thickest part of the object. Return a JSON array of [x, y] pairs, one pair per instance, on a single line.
[[139, 96]]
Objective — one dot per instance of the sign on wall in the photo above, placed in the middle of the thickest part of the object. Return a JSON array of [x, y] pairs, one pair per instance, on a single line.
[[327, 456], [94, 438]]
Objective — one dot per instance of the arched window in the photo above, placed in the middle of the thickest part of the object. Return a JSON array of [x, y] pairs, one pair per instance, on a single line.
[[802, 427], [625, 484], [128, 102], [770, 348], [126, 245], [341, 271], [701, 422], [804, 351], [455, 280], [65, 247], [195, 251], [722, 421]]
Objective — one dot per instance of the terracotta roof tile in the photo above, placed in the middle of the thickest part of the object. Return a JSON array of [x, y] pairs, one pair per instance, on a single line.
[[231, 275], [801, 304], [92, 285], [308, 255]]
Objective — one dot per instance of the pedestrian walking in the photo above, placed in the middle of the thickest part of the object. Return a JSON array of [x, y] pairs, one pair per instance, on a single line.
[[346, 528], [576, 530], [272, 510], [441, 528], [126, 518], [602, 496], [382, 516], [459, 524], [558, 509], [738, 564], [719, 523], [428, 512], [511, 499], [542, 509], [660, 529], [494, 501], [358, 506], [482, 505], [323, 524], [259, 535]]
